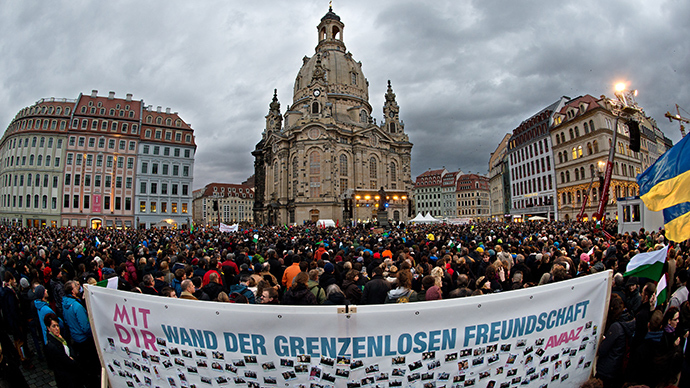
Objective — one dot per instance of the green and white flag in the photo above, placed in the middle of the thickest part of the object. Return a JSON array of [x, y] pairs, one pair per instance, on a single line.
[[108, 283], [647, 265], [661, 291]]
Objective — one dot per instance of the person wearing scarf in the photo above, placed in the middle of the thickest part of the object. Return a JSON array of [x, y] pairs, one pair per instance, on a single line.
[[59, 355]]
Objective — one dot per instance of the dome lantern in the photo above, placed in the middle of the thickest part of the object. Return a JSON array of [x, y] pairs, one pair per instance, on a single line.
[[330, 32]]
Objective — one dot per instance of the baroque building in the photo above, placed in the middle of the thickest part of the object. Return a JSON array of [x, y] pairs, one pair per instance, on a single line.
[[582, 136], [80, 162], [223, 202], [326, 157]]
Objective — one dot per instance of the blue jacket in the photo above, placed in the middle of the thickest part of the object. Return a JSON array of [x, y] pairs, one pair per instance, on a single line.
[[243, 290], [76, 318], [177, 286], [43, 309]]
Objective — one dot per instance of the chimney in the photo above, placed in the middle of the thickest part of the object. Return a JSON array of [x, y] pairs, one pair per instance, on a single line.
[[111, 95], [94, 93], [129, 97], [158, 108], [167, 110]]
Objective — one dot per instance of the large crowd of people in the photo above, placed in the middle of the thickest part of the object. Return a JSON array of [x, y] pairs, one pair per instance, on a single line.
[[43, 271]]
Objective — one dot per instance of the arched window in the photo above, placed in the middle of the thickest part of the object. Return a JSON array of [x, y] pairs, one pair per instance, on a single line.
[[36, 201], [591, 125], [579, 151], [562, 177], [577, 174], [577, 132], [315, 107], [39, 160], [37, 182], [363, 116], [563, 199], [596, 146], [574, 153], [343, 165], [586, 128], [582, 173], [570, 197], [159, 120], [275, 173], [29, 180], [571, 134], [336, 31], [558, 140], [149, 119], [560, 158], [391, 127], [373, 173], [562, 137], [44, 202], [314, 174], [394, 176], [578, 196], [589, 148], [567, 176], [295, 168]]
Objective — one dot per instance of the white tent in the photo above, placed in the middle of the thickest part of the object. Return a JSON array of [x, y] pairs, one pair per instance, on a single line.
[[419, 219], [324, 223], [537, 218], [430, 219]]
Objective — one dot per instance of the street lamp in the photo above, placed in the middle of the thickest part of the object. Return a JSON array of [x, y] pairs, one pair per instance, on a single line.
[[624, 106]]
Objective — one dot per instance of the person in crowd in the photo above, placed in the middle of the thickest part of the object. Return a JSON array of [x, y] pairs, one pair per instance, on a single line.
[[403, 293], [620, 327], [315, 287], [242, 289], [299, 293], [376, 290], [77, 320], [335, 296], [353, 292], [59, 355], [188, 290]]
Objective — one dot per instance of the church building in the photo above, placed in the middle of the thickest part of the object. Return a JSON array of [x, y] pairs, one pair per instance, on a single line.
[[326, 157]]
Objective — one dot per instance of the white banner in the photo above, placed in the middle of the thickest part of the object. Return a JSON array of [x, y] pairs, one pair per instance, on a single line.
[[228, 228], [534, 337]]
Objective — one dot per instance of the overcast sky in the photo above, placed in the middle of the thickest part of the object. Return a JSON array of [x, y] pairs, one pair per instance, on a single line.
[[465, 72]]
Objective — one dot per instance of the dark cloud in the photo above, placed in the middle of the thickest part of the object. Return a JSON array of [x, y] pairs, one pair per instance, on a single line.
[[465, 73]]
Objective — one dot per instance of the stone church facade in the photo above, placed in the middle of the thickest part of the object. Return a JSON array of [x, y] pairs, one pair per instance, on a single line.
[[325, 157]]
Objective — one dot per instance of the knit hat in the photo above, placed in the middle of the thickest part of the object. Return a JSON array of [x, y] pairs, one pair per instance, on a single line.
[[24, 283], [47, 272], [480, 250], [328, 268], [584, 257], [40, 292]]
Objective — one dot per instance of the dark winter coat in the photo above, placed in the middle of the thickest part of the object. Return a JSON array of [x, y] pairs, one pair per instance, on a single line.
[[612, 348], [65, 368], [299, 294], [352, 291], [375, 291]]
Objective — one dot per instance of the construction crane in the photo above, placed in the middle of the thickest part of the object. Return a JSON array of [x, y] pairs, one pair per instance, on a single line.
[[680, 119]]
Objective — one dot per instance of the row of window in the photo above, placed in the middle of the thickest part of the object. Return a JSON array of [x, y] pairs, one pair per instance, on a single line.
[[152, 188], [152, 207], [532, 150], [531, 202], [31, 180], [111, 112], [532, 168], [79, 159], [164, 169], [35, 141], [18, 201], [122, 145], [38, 159], [43, 124], [166, 151], [533, 185], [104, 125], [575, 132], [49, 110]]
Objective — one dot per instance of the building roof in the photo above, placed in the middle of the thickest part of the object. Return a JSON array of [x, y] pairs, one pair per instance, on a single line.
[[227, 190]]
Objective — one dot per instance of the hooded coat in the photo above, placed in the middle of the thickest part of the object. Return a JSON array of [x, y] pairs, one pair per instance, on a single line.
[[76, 318]]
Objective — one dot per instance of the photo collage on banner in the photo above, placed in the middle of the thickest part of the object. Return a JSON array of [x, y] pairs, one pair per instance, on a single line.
[[515, 339]]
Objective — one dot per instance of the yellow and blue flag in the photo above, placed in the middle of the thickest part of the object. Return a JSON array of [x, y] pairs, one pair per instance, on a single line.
[[665, 185]]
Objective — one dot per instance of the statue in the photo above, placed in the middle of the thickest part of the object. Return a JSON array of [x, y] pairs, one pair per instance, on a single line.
[[382, 199]]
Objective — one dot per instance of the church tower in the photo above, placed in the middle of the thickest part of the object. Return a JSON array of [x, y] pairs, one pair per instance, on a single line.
[[325, 157]]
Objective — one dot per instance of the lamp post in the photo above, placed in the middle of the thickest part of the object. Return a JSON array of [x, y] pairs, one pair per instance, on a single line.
[[623, 106]]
